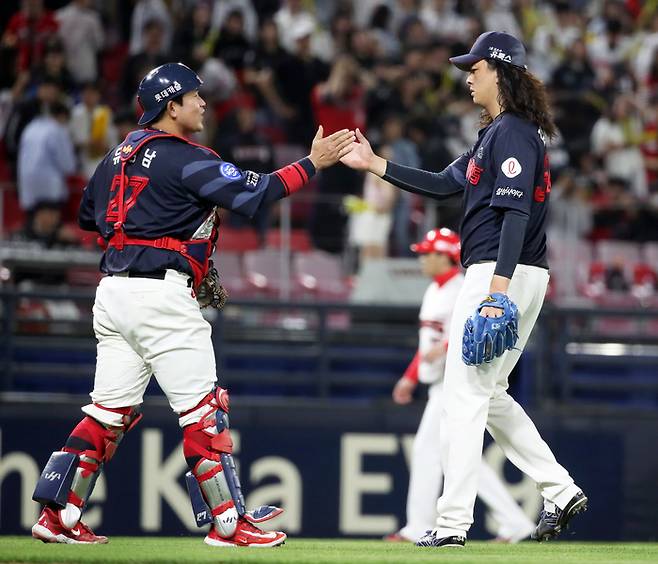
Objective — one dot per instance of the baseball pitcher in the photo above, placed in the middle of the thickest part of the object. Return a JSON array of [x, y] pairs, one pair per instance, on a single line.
[[505, 182]]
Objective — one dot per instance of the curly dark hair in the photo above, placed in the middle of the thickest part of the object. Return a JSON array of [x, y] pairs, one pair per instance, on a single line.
[[522, 94]]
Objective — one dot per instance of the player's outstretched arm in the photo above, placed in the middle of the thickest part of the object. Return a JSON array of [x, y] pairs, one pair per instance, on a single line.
[[326, 151], [436, 185]]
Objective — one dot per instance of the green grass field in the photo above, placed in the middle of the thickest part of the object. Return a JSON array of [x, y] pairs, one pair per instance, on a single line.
[[322, 551]]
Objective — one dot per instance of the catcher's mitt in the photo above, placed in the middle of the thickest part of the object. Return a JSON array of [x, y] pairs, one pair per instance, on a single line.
[[210, 292], [486, 338]]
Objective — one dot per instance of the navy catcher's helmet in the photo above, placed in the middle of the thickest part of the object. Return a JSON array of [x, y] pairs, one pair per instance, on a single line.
[[161, 85]]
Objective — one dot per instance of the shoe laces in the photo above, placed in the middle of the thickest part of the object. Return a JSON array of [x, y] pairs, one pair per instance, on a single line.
[[550, 517]]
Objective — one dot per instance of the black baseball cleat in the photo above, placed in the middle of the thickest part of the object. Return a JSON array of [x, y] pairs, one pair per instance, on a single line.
[[431, 539], [551, 524]]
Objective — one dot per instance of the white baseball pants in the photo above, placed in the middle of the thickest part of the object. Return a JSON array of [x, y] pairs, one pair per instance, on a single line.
[[426, 477], [150, 327], [476, 397]]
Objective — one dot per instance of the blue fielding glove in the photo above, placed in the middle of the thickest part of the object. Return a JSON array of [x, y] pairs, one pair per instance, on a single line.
[[486, 338]]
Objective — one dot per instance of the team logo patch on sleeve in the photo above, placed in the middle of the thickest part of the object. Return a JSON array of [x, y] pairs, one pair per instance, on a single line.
[[511, 167], [227, 170]]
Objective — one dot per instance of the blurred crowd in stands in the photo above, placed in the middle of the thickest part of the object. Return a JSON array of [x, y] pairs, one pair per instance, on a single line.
[[274, 69]]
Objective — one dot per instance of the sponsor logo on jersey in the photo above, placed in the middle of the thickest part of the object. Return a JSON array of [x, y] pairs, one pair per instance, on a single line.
[[228, 170], [251, 179], [511, 167], [508, 191], [480, 152], [473, 172], [126, 149]]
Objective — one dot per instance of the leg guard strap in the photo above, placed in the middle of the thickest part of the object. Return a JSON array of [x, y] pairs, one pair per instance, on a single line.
[[206, 431]]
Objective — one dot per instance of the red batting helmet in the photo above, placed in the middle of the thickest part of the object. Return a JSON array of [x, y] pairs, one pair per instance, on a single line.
[[439, 241]]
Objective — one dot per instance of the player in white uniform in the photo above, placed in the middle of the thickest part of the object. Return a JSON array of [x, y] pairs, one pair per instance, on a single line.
[[439, 256]]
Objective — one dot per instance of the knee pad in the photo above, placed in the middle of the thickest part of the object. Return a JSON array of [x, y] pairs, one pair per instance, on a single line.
[[70, 476]]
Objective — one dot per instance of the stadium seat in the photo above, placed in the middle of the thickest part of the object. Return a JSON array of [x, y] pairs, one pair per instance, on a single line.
[[264, 271], [299, 240], [624, 252], [644, 282], [231, 274], [321, 275], [578, 249], [650, 253], [238, 240], [569, 261]]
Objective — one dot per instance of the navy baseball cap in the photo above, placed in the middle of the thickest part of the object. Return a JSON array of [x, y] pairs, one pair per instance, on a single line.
[[495, 45]]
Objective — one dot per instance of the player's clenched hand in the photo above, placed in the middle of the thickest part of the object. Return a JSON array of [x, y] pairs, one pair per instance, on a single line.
[[325, 151], [403, 391], [362, 157]]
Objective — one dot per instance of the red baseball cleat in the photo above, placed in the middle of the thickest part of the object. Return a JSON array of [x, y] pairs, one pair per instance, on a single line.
[[246, 534], [49, 529]]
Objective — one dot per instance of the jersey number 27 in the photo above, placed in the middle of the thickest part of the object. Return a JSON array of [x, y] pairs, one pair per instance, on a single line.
[[134, 185]]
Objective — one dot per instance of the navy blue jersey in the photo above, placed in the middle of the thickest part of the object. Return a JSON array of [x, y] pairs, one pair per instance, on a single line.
[[507, 169], [172, 189]]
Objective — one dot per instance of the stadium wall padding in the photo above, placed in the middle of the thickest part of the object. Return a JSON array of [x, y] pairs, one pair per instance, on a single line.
[[338, 470]]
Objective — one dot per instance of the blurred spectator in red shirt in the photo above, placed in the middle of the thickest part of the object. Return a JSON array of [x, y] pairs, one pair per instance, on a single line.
[[27, 33], [337, 103]]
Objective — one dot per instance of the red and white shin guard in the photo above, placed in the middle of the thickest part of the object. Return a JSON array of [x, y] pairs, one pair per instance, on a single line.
[[207, 446]]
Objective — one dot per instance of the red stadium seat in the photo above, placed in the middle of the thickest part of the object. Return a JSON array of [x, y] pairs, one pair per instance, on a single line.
[[621, 252], [238, 240], [650, 253], [231, 274], [264, 271], [299, 240], [321, 275]]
